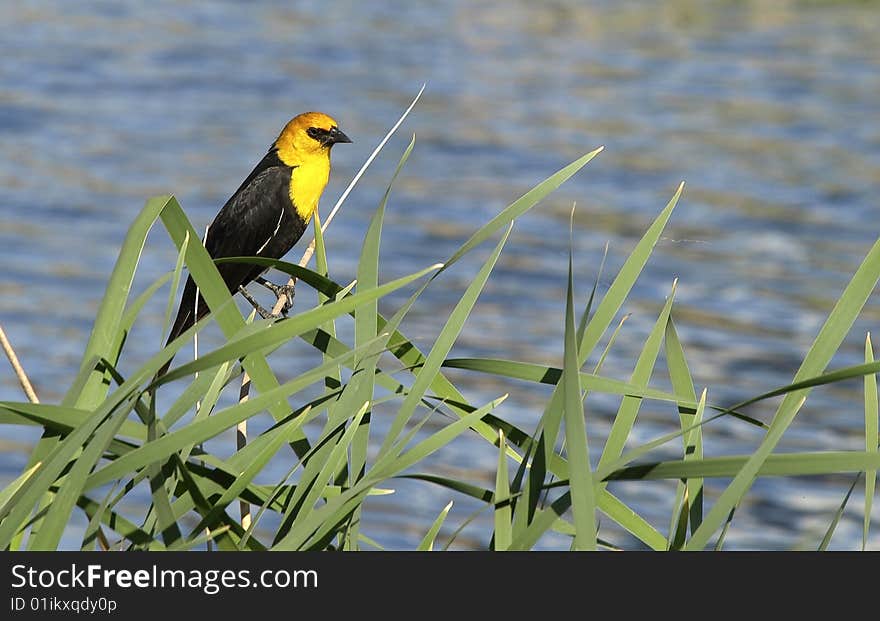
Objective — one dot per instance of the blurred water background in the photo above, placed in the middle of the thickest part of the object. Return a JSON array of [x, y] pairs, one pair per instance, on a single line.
[[768, 111]]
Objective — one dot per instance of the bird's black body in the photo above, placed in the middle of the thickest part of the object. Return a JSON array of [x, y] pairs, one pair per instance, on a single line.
[[258, 220], [269, 212]]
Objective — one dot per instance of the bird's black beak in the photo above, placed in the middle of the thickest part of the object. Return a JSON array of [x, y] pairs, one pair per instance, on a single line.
[[334, 136]]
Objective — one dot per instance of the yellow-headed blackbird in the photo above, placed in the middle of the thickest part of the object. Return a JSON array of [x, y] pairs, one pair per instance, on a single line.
[[268, 214]]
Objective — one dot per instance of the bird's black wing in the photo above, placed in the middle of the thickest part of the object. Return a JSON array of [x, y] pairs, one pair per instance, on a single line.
[[247, 225], [252, 217]]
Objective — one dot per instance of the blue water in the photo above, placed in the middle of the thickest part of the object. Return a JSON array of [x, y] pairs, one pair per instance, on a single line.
[[768, 113]]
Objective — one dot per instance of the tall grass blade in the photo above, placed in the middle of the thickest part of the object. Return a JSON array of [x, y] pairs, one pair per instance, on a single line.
[[682, 384], [311, 487], [787, 464], [427, 543], [322, 522], [624, 281], [719, 545], [10, 490], [631, 521], [366, 320], [585, 317], [462, 487], [522, 205], [93, 533], [583, 502], [502, 501], [629, 406], [389, 464], [175, 282], [277, 438], [132, 312], [601, 320], [104, 337], [105, 330], [609, 345], [871, 437], [442, 345], [826, 344], [551, 375], [826, 540], [59, 418], [204, 429], [49, 535], [118, 523]]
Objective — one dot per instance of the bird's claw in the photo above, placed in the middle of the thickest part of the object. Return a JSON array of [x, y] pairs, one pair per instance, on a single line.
[[262, 312], [287, 292]]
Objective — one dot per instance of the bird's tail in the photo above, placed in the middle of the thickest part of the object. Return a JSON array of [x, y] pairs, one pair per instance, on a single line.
[[188, 313]]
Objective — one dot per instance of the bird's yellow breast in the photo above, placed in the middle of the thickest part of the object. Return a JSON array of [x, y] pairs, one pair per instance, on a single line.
[[307, 182]]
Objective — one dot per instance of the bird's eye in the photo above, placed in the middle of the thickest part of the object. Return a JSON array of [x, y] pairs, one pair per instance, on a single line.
[[313, 132]]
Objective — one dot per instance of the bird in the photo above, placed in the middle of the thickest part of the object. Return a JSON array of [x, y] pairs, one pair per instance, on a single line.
[[268, 213]]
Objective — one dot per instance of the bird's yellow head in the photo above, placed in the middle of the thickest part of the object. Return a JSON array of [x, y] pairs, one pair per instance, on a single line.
[[308, 137]]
